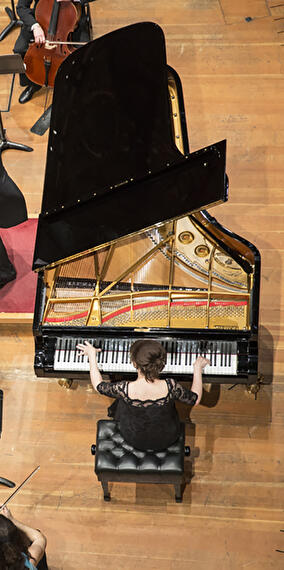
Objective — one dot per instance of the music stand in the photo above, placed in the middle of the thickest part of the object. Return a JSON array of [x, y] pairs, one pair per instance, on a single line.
[[3, 481], [14, 21], [10, 64]]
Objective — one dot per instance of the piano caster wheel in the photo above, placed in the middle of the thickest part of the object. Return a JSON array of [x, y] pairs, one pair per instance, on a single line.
[[254, 388], [65, 383]]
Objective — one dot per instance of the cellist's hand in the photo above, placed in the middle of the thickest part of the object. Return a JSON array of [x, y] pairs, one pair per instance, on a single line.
[[38, 34]]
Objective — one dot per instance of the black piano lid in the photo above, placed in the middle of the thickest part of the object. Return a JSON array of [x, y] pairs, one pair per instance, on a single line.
[[112, 166]]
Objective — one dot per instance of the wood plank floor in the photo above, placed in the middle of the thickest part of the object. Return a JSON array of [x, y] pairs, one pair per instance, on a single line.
[[229, 56]]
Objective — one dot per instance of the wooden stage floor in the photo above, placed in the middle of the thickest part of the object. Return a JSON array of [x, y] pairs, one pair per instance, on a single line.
[[231, 69]]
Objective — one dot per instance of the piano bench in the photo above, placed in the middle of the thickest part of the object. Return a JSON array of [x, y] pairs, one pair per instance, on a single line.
[[116, 460]]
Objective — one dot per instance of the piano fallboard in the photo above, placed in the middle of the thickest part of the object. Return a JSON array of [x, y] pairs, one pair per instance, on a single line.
[[233, 357]]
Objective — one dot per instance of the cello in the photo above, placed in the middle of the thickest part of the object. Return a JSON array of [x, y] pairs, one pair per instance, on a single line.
[[58, 20]]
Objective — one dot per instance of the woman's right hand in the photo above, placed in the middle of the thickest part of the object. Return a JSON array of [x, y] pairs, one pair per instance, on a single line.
[[87, 349], [201, 362]]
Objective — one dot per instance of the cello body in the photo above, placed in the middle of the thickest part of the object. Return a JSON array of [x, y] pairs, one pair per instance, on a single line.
[[58, 20]]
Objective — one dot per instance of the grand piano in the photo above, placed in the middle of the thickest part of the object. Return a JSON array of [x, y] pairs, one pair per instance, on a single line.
[[125, 247]]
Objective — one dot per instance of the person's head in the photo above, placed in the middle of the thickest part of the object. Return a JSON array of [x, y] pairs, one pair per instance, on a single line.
[[148, 356], [12, 545]]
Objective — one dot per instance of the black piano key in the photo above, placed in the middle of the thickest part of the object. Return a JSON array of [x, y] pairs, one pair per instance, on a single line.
[[113, 351], [127, 352], [222, 353], [179, 353], [165, 345], [172, 353], [104, 352], [68, 350], [230, 354], [225, 353], [186, 350], [175, 348], [123, 352], [116, 352], [211, 353]]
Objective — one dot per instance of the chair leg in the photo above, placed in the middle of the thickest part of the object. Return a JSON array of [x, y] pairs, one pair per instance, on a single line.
[[105, 490]]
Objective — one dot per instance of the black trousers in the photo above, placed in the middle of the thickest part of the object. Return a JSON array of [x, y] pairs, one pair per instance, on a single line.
[[7, 270]]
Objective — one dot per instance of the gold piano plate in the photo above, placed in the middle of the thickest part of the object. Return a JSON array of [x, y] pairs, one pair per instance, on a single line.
[[150, 281]]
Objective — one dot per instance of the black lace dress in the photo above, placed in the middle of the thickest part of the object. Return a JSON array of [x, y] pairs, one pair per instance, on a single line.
[[148, 424]]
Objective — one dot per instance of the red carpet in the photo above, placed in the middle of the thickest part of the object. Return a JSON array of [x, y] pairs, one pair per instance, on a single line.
[[18, 296]]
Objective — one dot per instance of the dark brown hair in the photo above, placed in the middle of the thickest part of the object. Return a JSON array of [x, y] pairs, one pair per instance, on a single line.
[[13, 544], [150, 358]]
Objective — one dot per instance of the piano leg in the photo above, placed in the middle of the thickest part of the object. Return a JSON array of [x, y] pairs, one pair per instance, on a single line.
[[254, 388], [67, 384]]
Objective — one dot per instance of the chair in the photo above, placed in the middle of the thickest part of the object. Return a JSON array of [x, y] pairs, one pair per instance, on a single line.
[[116, 460]]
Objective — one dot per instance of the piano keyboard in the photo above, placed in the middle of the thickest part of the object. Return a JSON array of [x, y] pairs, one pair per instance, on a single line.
[[181, 355]]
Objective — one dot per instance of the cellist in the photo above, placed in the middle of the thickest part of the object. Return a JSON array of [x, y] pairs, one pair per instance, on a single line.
[[31, 30]]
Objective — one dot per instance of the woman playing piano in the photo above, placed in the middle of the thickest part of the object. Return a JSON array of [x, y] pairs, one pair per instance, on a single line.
[[146, 406]]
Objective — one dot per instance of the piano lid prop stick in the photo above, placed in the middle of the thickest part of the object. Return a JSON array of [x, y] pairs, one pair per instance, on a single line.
[[20, 486]]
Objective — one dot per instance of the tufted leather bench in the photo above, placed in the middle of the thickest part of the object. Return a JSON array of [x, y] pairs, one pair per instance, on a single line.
[[116, 460]]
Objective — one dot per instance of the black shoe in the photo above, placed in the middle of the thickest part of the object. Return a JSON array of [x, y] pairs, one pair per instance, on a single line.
[[28, 93]]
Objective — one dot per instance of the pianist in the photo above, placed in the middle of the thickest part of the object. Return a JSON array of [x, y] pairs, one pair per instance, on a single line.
[[146, 406]]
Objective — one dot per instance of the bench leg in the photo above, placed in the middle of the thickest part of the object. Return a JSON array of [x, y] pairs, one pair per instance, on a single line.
[[105, 490], [179, 488]]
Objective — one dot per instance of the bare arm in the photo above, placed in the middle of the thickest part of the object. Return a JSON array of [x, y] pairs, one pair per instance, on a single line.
[[197, 386], [90, 351], [38, 540]]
